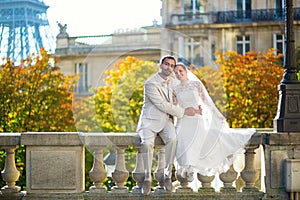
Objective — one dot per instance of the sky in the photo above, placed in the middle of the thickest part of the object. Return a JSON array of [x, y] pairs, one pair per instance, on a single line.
[[100, 17]]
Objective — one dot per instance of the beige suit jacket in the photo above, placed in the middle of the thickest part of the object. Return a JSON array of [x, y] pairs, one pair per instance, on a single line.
[[157, 105]]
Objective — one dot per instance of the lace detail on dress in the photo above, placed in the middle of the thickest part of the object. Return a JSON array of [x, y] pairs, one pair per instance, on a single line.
[[188, 85], [209, 111]]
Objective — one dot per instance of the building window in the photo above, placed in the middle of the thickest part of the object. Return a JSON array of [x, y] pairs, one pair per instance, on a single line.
[[213, 52], [192, 6], [278, 43], [243, 8], [194, 52], [83, 83], [279, 8], [243, 44]]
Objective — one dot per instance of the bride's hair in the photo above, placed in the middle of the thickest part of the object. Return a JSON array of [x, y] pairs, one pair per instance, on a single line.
[[182, 65]]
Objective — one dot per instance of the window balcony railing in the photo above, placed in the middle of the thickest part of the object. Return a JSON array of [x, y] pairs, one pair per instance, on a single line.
[[259, 15], [55, 168]]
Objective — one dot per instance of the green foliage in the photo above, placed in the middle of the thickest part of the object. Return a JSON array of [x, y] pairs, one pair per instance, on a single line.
[[118, 103], [2, 162], [88, 166], [298, 59], [116, 106], [21, 166], [85, 115]]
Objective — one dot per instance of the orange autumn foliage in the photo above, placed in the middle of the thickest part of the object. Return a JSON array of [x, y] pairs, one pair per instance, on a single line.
[[35, 96], [245, 87]]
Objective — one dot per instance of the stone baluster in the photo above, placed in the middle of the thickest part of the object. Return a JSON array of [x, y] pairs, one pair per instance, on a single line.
[[120, 174], [228, 178], [98, 173], [159, 172], [184, 184], [206, 183], [138, 174], [249, 174], [10, 174]]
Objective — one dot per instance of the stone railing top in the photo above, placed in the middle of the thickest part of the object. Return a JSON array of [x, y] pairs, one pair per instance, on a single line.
[[75, 138], [121, 139], [284, 138], [51, 138], [8, 139], [104, 139]]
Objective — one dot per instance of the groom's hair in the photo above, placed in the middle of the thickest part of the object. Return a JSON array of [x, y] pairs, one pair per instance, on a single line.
[[162, 60]]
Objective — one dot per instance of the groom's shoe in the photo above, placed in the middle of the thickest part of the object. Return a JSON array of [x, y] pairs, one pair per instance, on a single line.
[[146, 189], [168, 184]]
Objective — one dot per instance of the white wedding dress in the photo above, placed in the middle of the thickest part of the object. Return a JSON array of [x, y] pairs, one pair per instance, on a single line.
[[206, 144]]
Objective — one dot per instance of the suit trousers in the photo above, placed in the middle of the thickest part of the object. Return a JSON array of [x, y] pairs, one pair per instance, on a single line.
[[168, 135]]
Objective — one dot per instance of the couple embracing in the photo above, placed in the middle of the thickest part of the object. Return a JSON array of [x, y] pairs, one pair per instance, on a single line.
[[200, 141]]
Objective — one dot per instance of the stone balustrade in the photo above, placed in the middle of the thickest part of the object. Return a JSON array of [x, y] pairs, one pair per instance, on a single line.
[[55, 166]]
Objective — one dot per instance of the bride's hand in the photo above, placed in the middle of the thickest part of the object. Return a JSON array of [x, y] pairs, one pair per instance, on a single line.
[[199, 111]]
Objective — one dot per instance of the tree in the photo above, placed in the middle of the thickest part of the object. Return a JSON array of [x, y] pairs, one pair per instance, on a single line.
[[118, 103], [244, 88], [212, 80], [35, 96], [250, 83]]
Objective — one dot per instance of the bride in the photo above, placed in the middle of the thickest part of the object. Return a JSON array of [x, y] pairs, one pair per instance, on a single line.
[[206, 144]]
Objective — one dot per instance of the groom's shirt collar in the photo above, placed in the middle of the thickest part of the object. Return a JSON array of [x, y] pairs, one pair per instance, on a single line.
[[163, 80]]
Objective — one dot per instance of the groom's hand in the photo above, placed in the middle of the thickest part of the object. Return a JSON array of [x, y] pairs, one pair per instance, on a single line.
[[190, 111]]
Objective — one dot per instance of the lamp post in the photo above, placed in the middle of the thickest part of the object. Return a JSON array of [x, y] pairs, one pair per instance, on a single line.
[[288, 113], [109, 161]]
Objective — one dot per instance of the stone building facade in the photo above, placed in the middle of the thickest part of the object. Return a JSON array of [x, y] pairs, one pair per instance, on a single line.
[[197, 29], [90, 56], [192, 30]]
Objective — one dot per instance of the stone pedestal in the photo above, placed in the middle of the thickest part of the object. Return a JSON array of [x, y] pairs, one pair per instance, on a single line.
[[54, 163], [279, 147]]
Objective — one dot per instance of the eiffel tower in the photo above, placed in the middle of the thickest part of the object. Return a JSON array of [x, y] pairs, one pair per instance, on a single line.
[[24, 28]]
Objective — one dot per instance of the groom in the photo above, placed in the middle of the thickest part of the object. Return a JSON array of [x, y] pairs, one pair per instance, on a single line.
[[157, 118]]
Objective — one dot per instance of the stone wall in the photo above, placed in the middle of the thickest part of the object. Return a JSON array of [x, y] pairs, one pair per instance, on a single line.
[[55, 167]]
